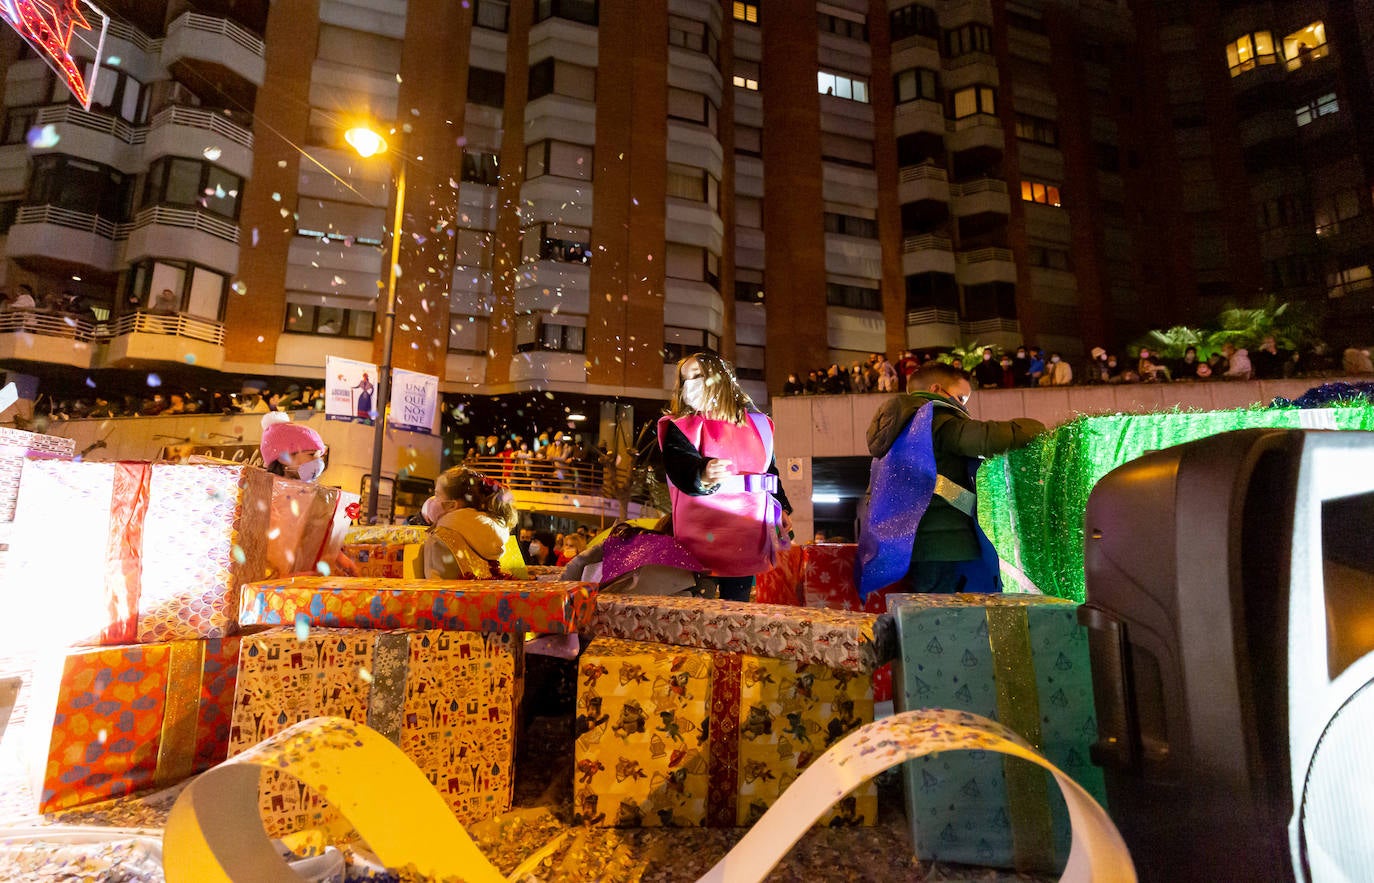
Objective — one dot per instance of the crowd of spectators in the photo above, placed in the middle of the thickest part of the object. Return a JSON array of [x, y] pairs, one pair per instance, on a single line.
[[294, 398], [549, 462], [55, 303], [1031, 366]]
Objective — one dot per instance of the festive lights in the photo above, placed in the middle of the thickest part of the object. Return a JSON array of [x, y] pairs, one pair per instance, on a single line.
[[49, 27]]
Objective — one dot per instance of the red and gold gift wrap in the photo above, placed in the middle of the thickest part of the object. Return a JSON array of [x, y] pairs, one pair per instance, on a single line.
[[145, 552], [782, 583], [679, 736], [827, 580], [308, 523], [451, 605], [110, 721], [448, 699], [380, 550]]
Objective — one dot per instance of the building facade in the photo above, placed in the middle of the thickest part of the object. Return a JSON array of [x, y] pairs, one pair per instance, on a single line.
[[595, 188]]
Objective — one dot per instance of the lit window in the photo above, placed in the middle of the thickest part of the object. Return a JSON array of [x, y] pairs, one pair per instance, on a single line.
[[555, 242], [1038, 191], [1250, 51], [1320, 106], [842, 86], [1305, 45], [746, 74], [974, 100], [747, 12], [1348, 281], [1329, 211]]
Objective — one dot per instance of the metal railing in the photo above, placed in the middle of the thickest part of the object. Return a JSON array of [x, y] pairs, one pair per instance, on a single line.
[[927, 242], [188, 219], [171, 324], [128, 33], [990, 326], [932, 316], [105, 124], [47, 324], [195, 118], [980, 255], [71, 220], [926, 171], [209, 24], [980, 185], [974, 121], [538, 475]]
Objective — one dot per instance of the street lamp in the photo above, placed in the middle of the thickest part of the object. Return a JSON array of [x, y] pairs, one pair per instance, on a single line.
[[369, 143]]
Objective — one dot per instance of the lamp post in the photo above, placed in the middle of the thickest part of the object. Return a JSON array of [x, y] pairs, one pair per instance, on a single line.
[[368, 143]]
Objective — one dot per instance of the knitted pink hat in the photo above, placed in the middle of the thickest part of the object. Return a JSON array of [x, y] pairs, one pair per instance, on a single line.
[[281, 437]]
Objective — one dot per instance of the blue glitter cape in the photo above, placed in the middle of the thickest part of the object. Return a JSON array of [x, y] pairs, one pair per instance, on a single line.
[[900, 487]]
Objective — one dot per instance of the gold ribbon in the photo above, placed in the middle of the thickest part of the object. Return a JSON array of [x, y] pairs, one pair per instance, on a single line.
[[176, 747], [1018, 709]]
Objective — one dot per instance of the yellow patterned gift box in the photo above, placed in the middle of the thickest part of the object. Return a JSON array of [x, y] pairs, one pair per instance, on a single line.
[[448, 699], [679, 736]]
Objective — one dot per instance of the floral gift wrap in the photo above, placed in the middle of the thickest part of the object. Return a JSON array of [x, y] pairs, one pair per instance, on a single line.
[[835, 638], [452, 605], [679, 736], [123, 553], [1021, 660], [448, 699], [109, 721]]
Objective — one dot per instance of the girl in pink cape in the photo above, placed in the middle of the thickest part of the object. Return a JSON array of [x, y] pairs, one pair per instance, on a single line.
[[729, 509]]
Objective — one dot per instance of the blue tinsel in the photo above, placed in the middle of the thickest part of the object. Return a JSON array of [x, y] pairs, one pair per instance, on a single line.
[[1328, 394]]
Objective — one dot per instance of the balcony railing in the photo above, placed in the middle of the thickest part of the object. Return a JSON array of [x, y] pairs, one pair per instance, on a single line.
[[932, 316], [926, 242], [224, 27], [1307, 56], [926, 171], [981, 185], [980, 255], [171, 324], [538, 475], [187, 219], [71, 220], [974, 121], [128, 33], [195, 118], [47, 324], [990, 326], [105, 124]]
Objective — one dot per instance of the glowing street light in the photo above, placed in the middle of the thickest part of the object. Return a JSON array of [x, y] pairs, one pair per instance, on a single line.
[[367, 142]]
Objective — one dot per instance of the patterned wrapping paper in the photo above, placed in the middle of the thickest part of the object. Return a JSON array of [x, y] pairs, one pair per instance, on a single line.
[[827, 580], [451, 605], [146, 552], [386, 534], [384, 560], [1022, 660], [17, 446], [125, 719], [782, 584], [305, 518], [834, 638], [449, 700], [675, 736]]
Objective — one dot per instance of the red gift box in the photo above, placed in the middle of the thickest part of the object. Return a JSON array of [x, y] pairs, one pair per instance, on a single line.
[[827, 580], [782, 584]]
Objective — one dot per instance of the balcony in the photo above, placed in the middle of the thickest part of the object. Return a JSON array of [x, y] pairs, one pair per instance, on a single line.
[[61, 238], [979, 196], [983, 265], [582, 490], [979, 131], [48, 338], [95, 136], [196, 133], [183, 234], [142, 338], [217, 50], [927, 254], [918, 116], [926, 181], [932, 329]]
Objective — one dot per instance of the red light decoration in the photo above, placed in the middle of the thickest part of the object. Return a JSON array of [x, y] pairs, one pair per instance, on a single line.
[[48, 26]]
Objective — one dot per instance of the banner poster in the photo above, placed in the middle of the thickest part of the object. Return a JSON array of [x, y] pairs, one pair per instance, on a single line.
[[414, 401], [350, 390]]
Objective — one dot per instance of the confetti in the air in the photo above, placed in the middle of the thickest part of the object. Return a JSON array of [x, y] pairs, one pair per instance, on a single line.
[[154, 380], [212, 153], [302, 627]]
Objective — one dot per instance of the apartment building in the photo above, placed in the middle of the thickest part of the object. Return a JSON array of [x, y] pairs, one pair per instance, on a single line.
[[595, 188]]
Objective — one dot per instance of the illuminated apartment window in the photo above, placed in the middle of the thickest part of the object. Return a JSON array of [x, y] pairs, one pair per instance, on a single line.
[[1328, 211], [1038, 191], [746, 74], [843, 86], [1250, 51], [556, 242], [747, 13], [1349, 281], [1305, 45], [974, 100], [1322, 105]]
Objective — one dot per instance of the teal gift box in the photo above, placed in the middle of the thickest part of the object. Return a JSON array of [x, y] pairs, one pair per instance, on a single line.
[[1021, 660]]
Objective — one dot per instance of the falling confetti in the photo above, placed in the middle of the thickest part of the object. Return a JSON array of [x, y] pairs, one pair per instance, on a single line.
[[211, 153], [239, 555], [302, 627], [190, 358], [323, 568], [365, 676], [240, 287], [154, 380]]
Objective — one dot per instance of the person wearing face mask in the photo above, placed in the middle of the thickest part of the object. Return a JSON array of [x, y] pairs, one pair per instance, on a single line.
[[476, 515], [729, 509], [1058, 372], [1021, 367], [987, 372], [920, 523], [291, 450], [295, 451]]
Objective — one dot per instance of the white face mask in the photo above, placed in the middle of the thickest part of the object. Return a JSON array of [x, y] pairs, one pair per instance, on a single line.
[[694, 393], [536, 548], [310, 469], [432, 510]]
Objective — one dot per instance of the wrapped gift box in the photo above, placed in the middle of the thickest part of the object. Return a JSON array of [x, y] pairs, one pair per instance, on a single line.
[[108, 721], [827, 580], [834, 638], [448, 699], [17, 447], [380, 550], [1023, 661], [308, 523], [782, 583], [386, 534], [451, 605], [1031, 501], [145, 552], [679, 736]]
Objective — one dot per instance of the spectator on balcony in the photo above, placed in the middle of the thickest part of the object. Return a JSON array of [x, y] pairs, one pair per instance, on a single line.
[[989, 372], [22, 299], [1151, 368], [1271, 363], [1036, 371], [70, 303], [102, 408], [835, 382], [1238, 363], [793, 386], [167, 302], [1186, 368], [813, 384], [1355, 361], [858, 381], [887, 375], [906, 366], [1058, 372], [177, 405], [1020, 367], [1008, 365]]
